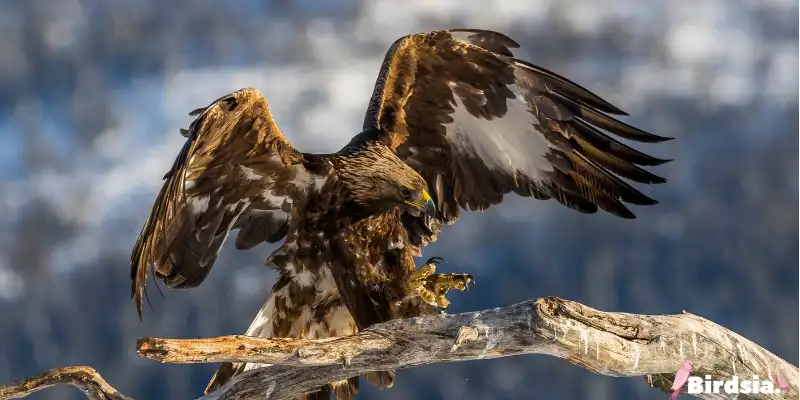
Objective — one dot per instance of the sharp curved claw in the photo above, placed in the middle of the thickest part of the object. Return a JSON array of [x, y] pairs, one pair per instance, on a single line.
[[436, 260]]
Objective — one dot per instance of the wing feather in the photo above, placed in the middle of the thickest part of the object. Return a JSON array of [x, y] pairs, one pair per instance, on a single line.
[[236, 170], [478, 123]]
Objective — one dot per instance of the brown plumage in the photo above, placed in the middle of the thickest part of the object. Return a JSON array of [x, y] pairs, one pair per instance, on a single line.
[[455, 122]]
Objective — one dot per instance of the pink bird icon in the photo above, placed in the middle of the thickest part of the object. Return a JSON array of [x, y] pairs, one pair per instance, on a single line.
[[781, 383], [680, 378]]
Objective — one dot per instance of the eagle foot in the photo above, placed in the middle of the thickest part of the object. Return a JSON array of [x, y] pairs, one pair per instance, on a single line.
[[432, 288], [440, 284]]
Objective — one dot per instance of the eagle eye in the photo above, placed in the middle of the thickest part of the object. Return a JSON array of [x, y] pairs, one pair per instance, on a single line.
[[406, 192]]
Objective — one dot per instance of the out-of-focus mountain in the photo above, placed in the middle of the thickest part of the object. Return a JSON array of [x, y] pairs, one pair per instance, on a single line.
[[92, 94]]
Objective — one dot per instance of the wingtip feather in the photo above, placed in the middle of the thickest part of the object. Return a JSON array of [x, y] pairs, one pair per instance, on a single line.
[[630, 215], [139, 301]]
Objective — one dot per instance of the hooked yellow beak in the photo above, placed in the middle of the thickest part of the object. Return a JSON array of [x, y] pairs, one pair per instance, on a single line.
[[425, 204]]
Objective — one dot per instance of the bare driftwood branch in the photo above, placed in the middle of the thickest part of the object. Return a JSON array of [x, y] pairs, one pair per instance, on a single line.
[[613, 344], [87, 379]]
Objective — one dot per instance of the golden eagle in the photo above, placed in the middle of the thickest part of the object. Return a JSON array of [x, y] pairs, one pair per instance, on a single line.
[[455, 122]]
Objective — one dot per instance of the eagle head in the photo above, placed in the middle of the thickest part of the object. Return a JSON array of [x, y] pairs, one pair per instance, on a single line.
[[378, 181]]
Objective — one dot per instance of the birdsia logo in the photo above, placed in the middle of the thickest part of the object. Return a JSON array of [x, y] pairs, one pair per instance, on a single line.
[[697, 385]]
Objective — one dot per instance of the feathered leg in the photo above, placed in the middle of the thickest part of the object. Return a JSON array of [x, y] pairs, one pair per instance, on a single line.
[[304, 305]]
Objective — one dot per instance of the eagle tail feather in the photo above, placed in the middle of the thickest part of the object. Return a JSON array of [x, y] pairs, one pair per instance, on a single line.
[[346, 389], [380, 379]]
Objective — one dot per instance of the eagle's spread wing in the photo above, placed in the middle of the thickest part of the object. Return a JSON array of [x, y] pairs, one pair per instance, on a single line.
[[478, 123], [236, 170]]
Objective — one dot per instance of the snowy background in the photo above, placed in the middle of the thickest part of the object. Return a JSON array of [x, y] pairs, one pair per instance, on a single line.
[[92, 94]]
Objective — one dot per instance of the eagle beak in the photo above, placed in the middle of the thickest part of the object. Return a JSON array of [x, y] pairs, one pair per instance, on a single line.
[[428, 206], [425, 205]]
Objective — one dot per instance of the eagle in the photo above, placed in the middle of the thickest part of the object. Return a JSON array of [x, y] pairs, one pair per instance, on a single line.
[[455, 123]]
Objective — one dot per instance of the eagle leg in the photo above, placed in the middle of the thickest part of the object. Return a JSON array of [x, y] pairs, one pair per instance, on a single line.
[[432, 288]]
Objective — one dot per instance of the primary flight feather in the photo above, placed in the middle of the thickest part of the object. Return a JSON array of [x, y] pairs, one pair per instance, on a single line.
[[455, 122]]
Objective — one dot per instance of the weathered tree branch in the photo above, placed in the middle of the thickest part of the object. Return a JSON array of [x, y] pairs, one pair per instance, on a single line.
[[87, 379], [613, 344]]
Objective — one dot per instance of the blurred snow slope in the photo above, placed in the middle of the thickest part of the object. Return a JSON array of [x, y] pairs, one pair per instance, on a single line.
[[94, 95]]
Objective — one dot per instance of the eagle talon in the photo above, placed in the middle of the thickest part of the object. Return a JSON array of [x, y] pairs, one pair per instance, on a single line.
[[470, 282], [436, 260]]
